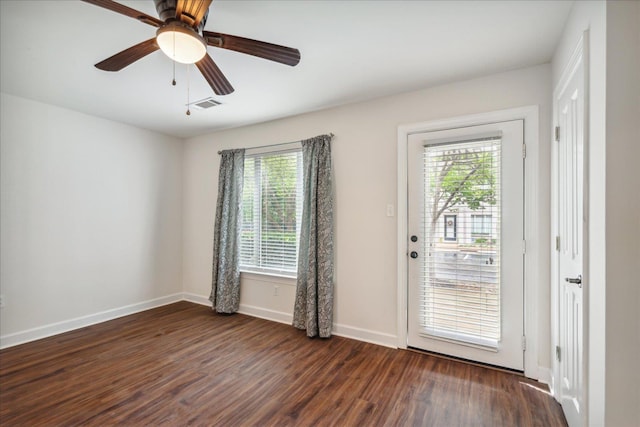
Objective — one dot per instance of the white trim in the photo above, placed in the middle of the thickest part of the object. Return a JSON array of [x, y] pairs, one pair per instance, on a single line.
[[268, 278], [285, 147], [373, 337], [265, 272], [545, 376], [403, 220], [249, 310], [263, 313], [532, 280], [196, 299], [10, 340], [532, 260], [51, 329], [586, 241]]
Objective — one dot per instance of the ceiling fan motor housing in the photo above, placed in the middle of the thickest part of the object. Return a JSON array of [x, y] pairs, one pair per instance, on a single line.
[[167, 11]]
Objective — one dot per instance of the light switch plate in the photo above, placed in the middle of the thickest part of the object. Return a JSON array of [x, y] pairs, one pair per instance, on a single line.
[[390, 210]]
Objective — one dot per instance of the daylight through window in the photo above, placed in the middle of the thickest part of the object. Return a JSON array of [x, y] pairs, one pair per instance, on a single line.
[[271, 212], [460, 289]]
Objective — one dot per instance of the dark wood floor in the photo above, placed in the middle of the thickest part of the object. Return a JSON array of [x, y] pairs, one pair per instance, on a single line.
[[184, 365]]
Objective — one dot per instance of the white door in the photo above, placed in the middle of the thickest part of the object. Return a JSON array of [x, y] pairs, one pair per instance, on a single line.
[[570, 155], [465, 243]]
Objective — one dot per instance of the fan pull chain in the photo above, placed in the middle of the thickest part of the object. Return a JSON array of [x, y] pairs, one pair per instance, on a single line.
[[173, 82], [188, 106]]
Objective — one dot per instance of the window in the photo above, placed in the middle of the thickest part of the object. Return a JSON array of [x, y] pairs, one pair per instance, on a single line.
[[271, 212], [460, 282], [481, 224], [450, 228]]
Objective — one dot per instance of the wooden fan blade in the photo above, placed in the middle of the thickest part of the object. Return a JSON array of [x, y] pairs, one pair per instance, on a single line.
[[214, 76], [127, 11], [128, 56], [272, 52], [192, 11]]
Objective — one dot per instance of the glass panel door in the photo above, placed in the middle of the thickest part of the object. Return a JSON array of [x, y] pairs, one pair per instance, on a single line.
[[466, 264]]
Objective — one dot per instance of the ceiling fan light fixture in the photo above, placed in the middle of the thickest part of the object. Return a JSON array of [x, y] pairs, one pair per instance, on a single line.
[[181, 43]]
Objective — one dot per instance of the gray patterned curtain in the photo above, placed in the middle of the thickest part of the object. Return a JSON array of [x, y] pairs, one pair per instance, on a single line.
[[225, 286], [313, 309]]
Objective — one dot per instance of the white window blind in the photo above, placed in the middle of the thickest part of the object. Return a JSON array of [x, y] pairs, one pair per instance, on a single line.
[[271, 212], [461, 280]]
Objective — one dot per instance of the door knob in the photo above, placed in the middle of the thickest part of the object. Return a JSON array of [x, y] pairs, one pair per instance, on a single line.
[[575, 281], [414, 254]]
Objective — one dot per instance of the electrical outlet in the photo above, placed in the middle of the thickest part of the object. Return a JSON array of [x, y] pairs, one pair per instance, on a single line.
[[276, 291]]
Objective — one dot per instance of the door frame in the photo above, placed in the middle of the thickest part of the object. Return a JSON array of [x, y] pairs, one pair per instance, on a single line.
[[532, 258], [579, 57]]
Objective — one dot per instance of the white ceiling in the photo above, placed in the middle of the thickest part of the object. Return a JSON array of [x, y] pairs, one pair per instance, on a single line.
[[351, 51]]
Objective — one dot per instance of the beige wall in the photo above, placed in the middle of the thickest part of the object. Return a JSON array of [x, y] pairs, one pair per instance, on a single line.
[[623, 214], [90, 216], [365, 158]]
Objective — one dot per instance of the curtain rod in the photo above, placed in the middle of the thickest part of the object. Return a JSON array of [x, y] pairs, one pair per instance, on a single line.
[[275, 145]]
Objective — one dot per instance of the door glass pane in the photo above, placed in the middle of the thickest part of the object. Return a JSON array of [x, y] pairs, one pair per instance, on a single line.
[[460, 278]]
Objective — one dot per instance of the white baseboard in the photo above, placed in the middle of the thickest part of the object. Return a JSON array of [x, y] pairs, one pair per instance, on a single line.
[[196, 299], [373, 337], [545, 376], [263, 313], [249, 310], [10, 340], [386, 340], [45, 331]]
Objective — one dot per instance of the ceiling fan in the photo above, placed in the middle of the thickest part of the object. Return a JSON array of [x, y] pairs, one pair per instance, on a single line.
[[181, 37]]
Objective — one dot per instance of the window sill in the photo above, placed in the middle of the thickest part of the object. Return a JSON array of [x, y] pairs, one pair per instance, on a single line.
[[268, 274]]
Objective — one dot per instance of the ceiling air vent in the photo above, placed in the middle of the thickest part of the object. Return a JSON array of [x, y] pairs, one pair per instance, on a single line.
[[204, 104]]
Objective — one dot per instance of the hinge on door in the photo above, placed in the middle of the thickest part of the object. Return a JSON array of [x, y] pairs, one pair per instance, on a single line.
[[557, 243], [524, 246], [524, 151], [524, 343], [558, 358], [557, 133]]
